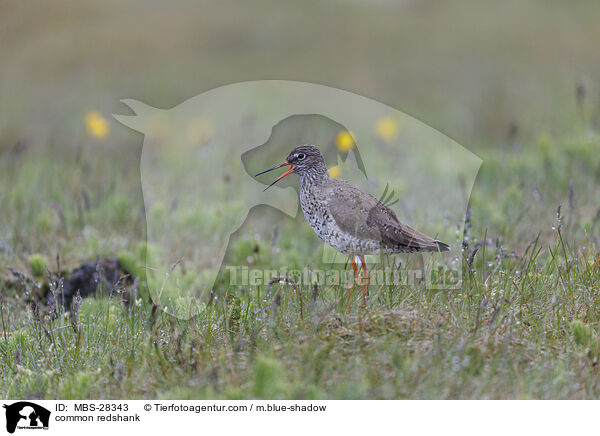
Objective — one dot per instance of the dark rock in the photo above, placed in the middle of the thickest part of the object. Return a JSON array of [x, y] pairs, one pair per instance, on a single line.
[[90, 278]]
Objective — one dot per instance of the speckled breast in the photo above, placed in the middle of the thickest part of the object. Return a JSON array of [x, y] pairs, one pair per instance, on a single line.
[[316, 211]]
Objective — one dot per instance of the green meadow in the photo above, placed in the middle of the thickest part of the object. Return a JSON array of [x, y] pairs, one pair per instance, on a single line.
[[524, 322]]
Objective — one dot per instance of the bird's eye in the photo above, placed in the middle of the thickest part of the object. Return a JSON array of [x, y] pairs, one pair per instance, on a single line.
[[301, 156]]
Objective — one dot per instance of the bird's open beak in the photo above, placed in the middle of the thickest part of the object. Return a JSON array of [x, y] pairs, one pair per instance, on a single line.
[[289, 171]]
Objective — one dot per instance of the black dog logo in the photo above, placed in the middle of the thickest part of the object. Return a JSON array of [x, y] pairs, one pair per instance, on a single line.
[[30, 413]]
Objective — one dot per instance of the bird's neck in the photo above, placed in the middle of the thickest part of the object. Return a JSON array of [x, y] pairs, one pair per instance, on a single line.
[[314, 177]]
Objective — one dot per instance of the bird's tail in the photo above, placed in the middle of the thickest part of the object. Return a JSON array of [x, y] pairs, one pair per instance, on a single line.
[[441, 246], [430, 246]]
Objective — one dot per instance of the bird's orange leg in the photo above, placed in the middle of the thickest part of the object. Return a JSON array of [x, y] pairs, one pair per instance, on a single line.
[[355, 268], [365, 280]]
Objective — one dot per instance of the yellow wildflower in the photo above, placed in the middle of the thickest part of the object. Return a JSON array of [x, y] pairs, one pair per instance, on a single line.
[[335, 171], [387, 128], [96, 125], [344, 141]]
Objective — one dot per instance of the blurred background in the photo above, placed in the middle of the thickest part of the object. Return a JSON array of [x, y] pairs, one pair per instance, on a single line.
[[509, 81], [474, 70]]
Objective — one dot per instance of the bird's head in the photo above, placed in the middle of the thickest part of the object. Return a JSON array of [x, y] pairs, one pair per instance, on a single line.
[[305, 160]]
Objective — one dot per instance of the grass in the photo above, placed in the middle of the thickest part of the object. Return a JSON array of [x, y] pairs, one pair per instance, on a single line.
[[524, 323]]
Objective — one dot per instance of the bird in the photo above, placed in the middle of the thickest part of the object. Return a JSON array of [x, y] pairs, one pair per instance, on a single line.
[[350, 220]]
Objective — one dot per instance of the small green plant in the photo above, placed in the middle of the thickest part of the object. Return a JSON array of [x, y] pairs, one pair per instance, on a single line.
[[129, 262], [585, 336], [38, 264], [475, 360], [268, 382]]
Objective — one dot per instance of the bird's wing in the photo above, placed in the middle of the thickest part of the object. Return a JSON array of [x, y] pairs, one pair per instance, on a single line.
[[350, 207], [362, 215]]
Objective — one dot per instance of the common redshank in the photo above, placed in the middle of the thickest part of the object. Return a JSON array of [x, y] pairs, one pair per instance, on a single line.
[[350, 220]]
